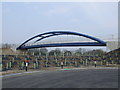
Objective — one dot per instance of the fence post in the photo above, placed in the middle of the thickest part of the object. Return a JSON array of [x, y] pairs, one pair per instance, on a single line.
[[10, 65], [46, 59], [0, 66], [22, 65], [13, 60], [65, 61], [37, 65], [55, 57], [34, 65], [86, 62], [76, 63], [7, 66]]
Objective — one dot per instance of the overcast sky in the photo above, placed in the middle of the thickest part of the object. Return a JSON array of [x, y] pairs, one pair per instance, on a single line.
[[23, 20]]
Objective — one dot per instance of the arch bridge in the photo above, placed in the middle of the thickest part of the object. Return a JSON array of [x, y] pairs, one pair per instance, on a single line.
[[42, 36]]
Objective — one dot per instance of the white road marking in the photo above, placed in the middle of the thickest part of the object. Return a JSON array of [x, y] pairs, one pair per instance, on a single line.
[[11, 74], [18, 73]]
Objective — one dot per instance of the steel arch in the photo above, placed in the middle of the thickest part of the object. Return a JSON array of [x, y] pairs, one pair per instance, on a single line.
[[54, 33]]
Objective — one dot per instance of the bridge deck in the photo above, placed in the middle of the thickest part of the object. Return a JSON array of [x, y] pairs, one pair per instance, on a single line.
[[63, 44]]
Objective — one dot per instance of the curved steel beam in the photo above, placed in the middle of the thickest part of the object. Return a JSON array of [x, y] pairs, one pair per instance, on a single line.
[[54, 33]]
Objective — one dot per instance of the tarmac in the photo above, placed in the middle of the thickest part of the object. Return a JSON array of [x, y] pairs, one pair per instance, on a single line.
[[104, 77]]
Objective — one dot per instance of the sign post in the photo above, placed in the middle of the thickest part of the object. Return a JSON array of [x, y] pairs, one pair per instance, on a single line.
[[26, 64], [61, 65]]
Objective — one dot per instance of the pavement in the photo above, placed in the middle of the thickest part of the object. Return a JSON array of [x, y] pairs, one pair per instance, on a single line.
[[64, 78]]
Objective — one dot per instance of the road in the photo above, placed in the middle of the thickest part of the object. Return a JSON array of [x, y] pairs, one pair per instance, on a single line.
[[76, 78]]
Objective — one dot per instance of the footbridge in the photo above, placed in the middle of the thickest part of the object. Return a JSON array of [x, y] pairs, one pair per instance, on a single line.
[[36, 40]]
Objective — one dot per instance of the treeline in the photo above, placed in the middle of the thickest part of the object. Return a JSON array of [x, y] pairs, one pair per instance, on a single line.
[[59, 52], [6, 45]]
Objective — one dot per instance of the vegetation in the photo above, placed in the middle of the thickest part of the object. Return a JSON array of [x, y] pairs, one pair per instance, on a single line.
[[39, 58]]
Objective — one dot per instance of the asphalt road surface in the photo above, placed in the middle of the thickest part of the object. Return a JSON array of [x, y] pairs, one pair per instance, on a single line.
[[78, 78]]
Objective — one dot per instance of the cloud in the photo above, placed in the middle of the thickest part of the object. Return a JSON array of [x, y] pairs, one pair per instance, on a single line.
[[57, 11], [74, 20]]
